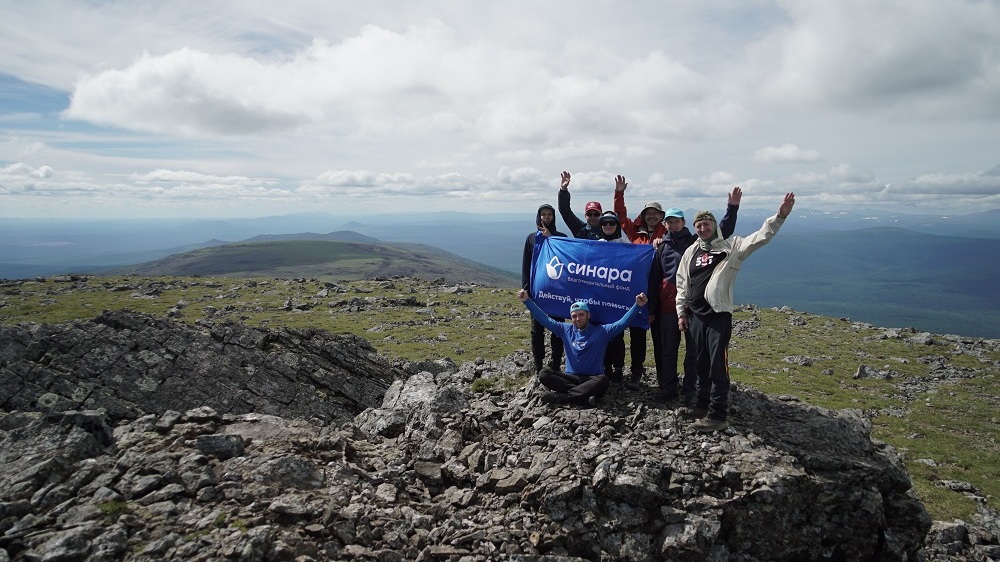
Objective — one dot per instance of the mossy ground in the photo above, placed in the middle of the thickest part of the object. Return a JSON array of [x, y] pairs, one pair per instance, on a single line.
[[947, 431]]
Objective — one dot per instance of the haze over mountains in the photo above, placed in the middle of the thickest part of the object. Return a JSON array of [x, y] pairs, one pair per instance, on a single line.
[[933, 273]]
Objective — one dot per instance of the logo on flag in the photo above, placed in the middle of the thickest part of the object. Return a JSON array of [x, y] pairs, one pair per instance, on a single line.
[[554, 268]]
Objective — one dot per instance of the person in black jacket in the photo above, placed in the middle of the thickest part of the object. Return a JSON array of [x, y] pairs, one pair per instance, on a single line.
[[614, 356], [545, 222]]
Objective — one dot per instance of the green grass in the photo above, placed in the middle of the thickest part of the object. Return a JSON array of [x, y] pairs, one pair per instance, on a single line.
[[112, 510], [946, 433]]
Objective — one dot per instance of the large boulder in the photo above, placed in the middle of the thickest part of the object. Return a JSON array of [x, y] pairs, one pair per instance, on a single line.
[[129, 364], [475, 477]]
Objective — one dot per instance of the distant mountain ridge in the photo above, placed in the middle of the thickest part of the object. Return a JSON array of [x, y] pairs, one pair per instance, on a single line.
[[884, 276], [836, 266], [311, 255], [338, 236]]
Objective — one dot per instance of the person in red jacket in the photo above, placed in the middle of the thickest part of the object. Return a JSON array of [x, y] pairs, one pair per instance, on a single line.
[[647, 227]]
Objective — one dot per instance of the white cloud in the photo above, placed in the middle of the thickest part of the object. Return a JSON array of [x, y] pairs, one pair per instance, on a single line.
[[359, 178], [786, 153], [949, 185], [21, 170], [186, 92], [938, 58], [480, 106], [421, 81], [182, 176], [521, 177]]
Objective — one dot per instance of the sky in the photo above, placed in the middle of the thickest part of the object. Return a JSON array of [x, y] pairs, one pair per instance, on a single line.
[[248, 108]]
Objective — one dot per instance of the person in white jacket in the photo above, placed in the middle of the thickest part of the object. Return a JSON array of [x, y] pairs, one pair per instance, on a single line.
[[704, 301]]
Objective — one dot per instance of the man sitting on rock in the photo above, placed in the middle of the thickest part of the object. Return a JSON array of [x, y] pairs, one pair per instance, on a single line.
[[585, 344]]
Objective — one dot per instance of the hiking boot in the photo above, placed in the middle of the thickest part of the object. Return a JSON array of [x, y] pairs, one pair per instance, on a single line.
[[664, 396], [592, 401], [708, 425], [632, 383], [693, 413], [554, 398]]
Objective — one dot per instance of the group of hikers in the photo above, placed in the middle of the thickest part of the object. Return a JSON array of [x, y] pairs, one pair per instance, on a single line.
[[690, 295]]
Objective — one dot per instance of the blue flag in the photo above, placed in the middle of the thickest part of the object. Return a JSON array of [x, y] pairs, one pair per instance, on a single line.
[[605, 275]]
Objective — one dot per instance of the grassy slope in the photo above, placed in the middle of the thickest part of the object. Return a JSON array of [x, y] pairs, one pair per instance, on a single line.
[[954, 424]]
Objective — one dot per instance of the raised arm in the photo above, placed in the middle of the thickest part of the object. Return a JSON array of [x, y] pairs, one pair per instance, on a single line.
[[628, 227], [538, 315], [728, 224], [771, 225], [573, 222], [618, 327]]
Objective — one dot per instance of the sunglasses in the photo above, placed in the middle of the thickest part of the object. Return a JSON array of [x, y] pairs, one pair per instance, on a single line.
[[609, 223], [593, 214]]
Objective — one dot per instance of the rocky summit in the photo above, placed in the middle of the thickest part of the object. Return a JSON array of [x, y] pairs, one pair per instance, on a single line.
[[131, 437]]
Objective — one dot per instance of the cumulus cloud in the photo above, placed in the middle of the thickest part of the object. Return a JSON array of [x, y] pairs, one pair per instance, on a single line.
[[786, 153], [182, 176], [21, 170], [478, 107], [359, 178], [187, 92], [419, 81], [364, 185], [938, 58], [949, 185], [522, 176]]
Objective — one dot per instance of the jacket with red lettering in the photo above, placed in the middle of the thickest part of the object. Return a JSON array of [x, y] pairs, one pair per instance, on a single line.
[[663, 276]]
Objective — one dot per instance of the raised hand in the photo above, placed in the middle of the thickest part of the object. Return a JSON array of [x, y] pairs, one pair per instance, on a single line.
[[786, 207], [565, 180], [735, 196], [620, 184]]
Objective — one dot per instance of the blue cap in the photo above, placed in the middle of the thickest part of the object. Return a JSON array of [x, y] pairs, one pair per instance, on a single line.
[[579, 305], [674, 212]]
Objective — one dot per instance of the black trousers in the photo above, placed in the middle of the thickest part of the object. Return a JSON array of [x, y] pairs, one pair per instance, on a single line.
[[614, 358], [670, 344], [637, 349], [656, 334], [710, 335], [538, 345], [579, 388]]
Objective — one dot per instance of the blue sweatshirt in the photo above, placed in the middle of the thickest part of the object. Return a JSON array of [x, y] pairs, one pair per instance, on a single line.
[[584, 348]]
